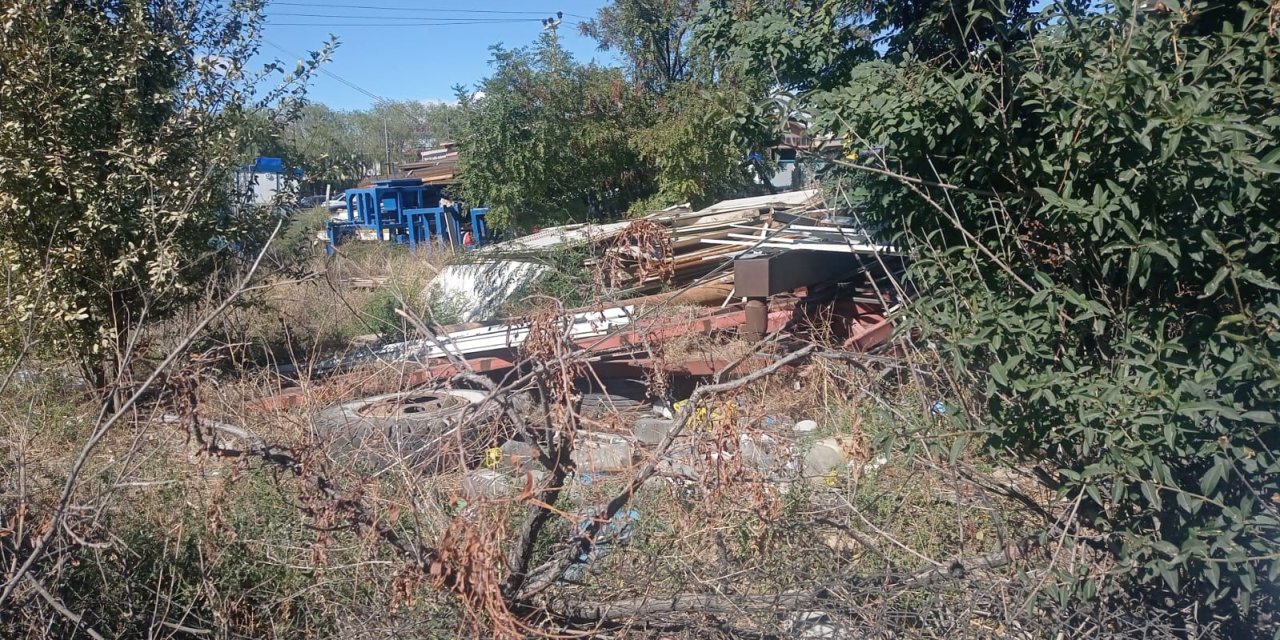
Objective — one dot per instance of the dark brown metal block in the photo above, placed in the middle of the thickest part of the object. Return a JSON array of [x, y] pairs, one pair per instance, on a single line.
[[771, 274]]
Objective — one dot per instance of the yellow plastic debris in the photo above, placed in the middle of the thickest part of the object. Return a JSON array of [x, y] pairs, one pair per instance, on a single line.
[[703, 419], [492, 458]]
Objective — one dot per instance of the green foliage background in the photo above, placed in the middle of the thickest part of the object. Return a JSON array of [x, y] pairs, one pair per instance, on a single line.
[[338, 148], [548, 139], [552, 140], [121, 124], [1090, 196]]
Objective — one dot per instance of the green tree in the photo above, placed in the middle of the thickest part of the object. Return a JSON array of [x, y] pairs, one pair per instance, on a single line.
[[945, 32], [548, 139], [341, 147], [804, 46], [653, 35], [121, 124], [794, 46], [328, 148], [699, 134], [697, 145], [403, 128], [1090, 198]]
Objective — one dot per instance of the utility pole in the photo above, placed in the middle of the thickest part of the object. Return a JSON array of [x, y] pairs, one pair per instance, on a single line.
[[551, 24], [386, 139]]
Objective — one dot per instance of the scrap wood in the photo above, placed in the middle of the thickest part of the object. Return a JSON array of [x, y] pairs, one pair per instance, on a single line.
[[702, 294], [373, 282], [833, 247], [643, 249]]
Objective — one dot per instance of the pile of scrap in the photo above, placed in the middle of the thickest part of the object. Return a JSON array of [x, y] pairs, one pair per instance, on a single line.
[[670, 248], [751, 266], [790, 236], [661, 250], [465, 342], [491, 276]]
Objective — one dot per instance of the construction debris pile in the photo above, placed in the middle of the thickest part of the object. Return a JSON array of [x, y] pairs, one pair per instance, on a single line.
[[731, 293], [751, 266]]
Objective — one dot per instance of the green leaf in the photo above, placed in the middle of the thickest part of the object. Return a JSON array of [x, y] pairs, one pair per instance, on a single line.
[[998, 374], [1212, 287], [1254, 277], [1092, 490], [1263, 417], [1209, 481], [957, 449]]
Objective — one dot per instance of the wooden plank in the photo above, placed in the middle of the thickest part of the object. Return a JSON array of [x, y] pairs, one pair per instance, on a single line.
[[812, 246]]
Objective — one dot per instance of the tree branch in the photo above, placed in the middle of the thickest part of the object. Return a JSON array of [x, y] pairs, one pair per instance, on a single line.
[[553, 569]]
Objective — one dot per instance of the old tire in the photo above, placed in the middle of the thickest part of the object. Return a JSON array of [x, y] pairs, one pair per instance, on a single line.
[[423, 430], [620, 395]]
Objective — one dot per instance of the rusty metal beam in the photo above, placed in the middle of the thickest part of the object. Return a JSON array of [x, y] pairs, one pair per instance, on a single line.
[[757, 318], [860, 325]]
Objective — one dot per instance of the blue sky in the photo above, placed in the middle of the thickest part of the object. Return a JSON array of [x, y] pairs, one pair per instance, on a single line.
[[414, 50]]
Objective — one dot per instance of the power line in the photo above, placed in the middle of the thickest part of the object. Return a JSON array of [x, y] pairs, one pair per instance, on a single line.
[[383, 17], [330, 25], [407, 9], [376, 98]]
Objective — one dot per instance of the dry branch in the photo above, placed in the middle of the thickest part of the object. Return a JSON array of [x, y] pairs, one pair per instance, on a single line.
[[553, 569], [648, 610]]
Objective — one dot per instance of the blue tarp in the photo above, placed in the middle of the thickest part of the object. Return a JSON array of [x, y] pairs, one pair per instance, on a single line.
[[268, 165]]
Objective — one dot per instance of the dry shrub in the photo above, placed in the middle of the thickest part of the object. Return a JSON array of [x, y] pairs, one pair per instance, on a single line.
[[641, 251], [305, 315], [469, 563], [691, 346]]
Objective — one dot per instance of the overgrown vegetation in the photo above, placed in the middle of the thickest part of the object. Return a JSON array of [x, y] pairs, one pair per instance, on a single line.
[[1073, 435], [553, 140], [338, 148], [548, 141], [120, 127], [1089, 195]]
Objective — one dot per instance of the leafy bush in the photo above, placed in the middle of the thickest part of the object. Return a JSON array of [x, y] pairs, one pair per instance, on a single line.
[[549, 141], [1091, 198], [565, 280], [379, 315], [116, 205], [444, 307]]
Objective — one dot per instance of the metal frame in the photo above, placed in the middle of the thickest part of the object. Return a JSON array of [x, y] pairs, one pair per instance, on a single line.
[[384, 208], [480, 225], [424, 225]]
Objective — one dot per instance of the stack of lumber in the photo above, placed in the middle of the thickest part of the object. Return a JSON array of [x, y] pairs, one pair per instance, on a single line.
[[693, 247], [374, 282], [793, 236]]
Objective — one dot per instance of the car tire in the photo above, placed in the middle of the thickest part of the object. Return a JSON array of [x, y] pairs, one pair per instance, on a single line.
[[619, 395], [423, 430]]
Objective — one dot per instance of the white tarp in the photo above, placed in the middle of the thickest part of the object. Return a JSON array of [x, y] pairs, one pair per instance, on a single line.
[[481, 288]]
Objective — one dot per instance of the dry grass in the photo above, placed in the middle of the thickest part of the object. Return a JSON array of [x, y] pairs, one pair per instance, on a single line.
[[302, 318], [291, 543]]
